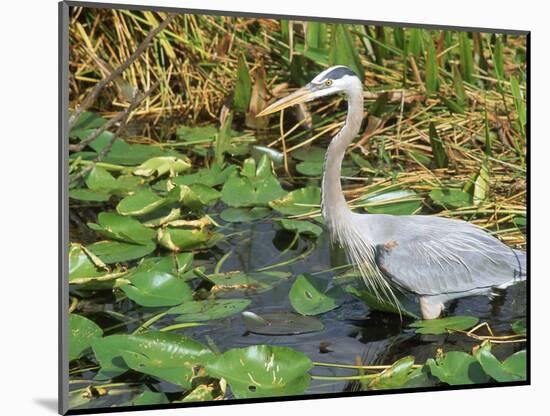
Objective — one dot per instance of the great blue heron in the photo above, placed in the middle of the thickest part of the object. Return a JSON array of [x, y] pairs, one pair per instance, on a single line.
[[437, 259]]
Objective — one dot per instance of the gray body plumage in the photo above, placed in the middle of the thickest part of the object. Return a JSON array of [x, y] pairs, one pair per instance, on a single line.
[[437, 259], [434, 258]]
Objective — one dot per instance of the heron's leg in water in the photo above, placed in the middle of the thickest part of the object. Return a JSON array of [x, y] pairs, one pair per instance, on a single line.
[[431, 306]]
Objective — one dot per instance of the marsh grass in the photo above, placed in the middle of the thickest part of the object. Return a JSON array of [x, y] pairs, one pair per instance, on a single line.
[[468, 89]]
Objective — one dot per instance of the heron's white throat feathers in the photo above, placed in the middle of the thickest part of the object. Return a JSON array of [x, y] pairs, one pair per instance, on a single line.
[[336, 213]]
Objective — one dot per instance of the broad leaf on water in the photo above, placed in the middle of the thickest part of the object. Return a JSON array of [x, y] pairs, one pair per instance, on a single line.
[[86, 267], [176, 264], [168, 356], [514, 368], [302, 227], [395, 377], [281, 323], [117, 251], [197, 196], [206, 310], [176, 239], [377, 304], [121, 153], [141, 202], [213, 176], [84, 194], [451, 198], [83, 332], [101, 185], [262, 370], [457, 367], [83, 263], [256, 282], [299, 202], [256, 185], [400, 202], [242, 214], [309, 295], [444, 325], [160, 166], [154, 288], [118, 227], [147, 398]]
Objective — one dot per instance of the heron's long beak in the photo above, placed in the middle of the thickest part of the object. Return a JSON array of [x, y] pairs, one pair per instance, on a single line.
[[302, 95]]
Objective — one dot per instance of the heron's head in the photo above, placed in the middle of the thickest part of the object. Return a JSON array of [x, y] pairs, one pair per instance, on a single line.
[[336, 79]]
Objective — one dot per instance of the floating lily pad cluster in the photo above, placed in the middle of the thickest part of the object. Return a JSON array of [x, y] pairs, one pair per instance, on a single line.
[[156, 213]]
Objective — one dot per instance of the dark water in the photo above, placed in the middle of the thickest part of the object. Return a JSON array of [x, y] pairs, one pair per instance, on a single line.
[[351, 331]]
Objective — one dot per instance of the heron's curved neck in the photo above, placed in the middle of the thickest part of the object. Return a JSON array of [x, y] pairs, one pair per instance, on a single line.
[[333, 204]]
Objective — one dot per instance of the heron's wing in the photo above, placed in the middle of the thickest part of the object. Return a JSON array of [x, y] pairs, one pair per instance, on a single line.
[[462, 259]]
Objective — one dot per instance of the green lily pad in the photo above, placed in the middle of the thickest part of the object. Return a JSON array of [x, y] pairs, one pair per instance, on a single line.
[[197, 196], [147, 398], [126, 229], [377, 304], [176, 264], [256, 185], [302, 227], [82, 332], [400, 202], [248, 282], [100, 179], [299, 202], [101, 185], [281, 323], [117, 251], [451, 198], [514, 368], [160, 166], [212, 176], [141, 202], [309, 295], [207, 310], [154, 288], [444, 325], [262, 371], [84, 194], [176, 239], [121, 153], [168, 356], [457, 367], [84, 265], [395, 377], [232, 214]]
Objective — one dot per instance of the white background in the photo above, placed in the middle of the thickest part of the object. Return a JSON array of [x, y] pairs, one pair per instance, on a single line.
[[28, 166]]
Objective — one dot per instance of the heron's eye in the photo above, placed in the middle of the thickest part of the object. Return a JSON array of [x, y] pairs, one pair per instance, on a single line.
[[328, 82]]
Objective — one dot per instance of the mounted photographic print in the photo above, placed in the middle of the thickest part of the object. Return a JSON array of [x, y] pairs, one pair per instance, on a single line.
[[263, 208]]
